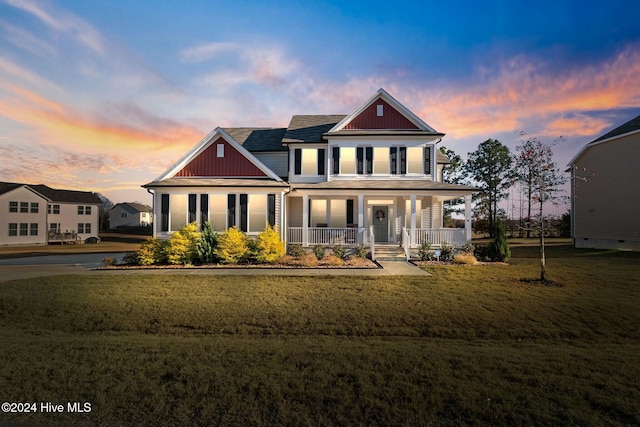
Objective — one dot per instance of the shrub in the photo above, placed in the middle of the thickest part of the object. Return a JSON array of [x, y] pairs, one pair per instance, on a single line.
[[183, 245], [108, 262], [446, 252], [467, 248], [208, 244], [309, 259], [424, 251], [130, 258], [332, 260], [318, 250], [361, 251], [466, 258], [269, 247], [339, 251], [296, 250], [499, 248], [152, 251], [481, 252], [233, 246]]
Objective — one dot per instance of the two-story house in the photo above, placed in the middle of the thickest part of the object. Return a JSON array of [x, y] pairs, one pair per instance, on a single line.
[[38, 214], [130, 215], [373, 176]]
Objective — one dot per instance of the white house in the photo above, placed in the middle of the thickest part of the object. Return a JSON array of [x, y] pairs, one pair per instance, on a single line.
[[605, 191], [38, 214], [370, 177], [130, 215]]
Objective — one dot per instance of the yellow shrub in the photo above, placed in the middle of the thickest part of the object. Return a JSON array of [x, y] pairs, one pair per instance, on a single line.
[[233, 246], [465, 258], [183, 245], [152, 251], [269, 247]]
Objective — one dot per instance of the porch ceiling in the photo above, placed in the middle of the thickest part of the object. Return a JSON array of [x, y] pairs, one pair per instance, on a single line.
[[387, 185]]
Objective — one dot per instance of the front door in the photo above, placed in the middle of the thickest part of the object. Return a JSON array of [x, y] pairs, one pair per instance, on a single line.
[[380, 222]]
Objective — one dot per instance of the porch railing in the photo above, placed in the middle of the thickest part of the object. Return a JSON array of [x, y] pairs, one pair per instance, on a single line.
[[325, 236], [372, 243], [406, 243], [438, 236]]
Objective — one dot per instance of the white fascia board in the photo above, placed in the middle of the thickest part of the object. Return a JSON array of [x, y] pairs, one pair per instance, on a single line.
[[593, 144], [204, 144], [381, 93]]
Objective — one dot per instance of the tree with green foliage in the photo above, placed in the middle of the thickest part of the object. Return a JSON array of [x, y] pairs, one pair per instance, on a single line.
[[233, 246], [499, 247], [489, 167], [208, 244], [183, 245], [452, 174], [269, 246]]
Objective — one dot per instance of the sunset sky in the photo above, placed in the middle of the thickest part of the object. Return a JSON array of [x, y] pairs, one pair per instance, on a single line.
[[105, 95]]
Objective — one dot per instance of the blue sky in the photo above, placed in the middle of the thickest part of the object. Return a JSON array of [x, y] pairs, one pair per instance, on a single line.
[[105, 95]]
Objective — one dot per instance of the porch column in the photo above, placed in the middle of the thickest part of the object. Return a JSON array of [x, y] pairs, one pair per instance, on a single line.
[[305, 220], [467, 218], [413, 219], [360, 218]]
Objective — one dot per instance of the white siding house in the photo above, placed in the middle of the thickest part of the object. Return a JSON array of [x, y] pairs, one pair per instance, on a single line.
[[130, 215]]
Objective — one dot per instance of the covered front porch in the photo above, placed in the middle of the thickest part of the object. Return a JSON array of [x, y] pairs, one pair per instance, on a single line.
[[336, 216]]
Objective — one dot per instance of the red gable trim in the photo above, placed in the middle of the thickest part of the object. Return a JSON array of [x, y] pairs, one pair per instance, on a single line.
[[208, 164], [369, 119]]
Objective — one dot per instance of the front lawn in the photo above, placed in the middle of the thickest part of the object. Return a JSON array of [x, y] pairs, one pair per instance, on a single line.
[[469, 345]]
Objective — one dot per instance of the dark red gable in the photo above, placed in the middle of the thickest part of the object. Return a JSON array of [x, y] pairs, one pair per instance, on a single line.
[[390, 119], [208, 164]]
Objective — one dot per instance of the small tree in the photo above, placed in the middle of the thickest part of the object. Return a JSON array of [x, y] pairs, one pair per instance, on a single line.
[[208, 244], [499, 248], [233, 246], [269, 246], [183, 245]]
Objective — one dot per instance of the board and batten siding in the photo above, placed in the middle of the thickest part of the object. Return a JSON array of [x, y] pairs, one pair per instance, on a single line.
[[606, 196]]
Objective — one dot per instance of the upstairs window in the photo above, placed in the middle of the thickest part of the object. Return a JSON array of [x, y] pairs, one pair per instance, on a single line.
[[24, 207], [364, 160], [219, 150], [80, 210], [34, 207], [309, 161], [13, 207], [415, 160], [398, 160], [87, 210]]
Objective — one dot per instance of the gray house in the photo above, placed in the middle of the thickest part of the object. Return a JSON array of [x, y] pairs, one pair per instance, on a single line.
[[605, 191]]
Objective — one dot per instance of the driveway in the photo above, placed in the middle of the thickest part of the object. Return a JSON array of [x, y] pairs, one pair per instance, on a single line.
[[51, 265]]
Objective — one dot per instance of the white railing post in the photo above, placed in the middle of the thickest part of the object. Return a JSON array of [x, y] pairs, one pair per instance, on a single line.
[[405, 243], [372, 243]]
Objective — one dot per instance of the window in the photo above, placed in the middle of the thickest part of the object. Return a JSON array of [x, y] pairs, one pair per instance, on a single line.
[[257, 212], [204, 208], [427, 160], [87, 210], [192, 208], [318, 212], [179, 204], [271, 209], [34, 207], [297, 154], [164, 212], [218, 209], [365, 160], [415, 160], [87, 228], [24, 207], [80, 228], [310, 161], [124, 214], [321, 161], [231, 210], [219, 150], [56, 209], [33, 229], [80, 210], [53, 228], [24, 229], [13, 207], [398, 160], [347, 160], [336, 160], [381, 160], [338, 213], [13, 229], [380, 110]]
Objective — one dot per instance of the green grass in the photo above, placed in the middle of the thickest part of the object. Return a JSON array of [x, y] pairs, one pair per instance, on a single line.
[[471, 345]]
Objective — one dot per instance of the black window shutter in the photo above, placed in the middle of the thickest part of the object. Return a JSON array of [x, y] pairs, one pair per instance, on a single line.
[[360, 157], [369, 152], [298, 161], [350, 211], [393, 159], [336, 160], [192, 208], [427, 160], [231, 210], [164, 210], [243, 212], [204, 208], [271, 209], [321, 161]]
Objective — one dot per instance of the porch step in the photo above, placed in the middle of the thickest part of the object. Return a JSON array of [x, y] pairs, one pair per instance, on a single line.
[[389, 253]]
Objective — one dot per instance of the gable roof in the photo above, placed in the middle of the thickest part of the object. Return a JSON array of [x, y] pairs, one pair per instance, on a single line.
[[54, 195], [202, 155], [628, 128], [310, 128], [399, 120]]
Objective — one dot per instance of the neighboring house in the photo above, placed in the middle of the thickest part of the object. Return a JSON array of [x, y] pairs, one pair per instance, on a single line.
[[373, 176], [130, 215], [37, 214], [605, 191]]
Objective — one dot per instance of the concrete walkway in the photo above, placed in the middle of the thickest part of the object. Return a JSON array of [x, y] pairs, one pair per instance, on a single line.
[[19, 270]]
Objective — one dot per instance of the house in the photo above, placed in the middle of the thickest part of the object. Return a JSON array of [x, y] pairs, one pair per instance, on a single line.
[[38, 215], [605, 196], [130, 215], [371, 177]]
